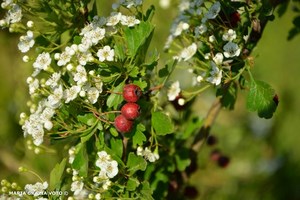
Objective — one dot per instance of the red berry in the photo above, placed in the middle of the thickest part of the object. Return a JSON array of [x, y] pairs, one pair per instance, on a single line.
[[131, 111], [122, 124], [132, 93]]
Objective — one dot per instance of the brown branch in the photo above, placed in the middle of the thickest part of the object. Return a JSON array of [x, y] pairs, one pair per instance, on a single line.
[[208, 122]]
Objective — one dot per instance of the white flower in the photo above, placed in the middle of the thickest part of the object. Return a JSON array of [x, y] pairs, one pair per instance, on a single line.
[[229, 36], [30, 24], [80, 76], [129, 21], [231, 50], [147, 154], [77, 187], [98, 83], [53, 80], [218, 59], [98, 196], [216, 75], [200, 30], [71, 93], [33, 85], [26, 42], [54, 99], [93, 94], [188, 52], [6, 3], [174, 91], [84, 57], [184, 5], [114, 19], [48, 125], [106, 54], [42, 62], [181, 26], [212, 38], [96, 35], [64, 58], [103, 159], [111, 168], [36, 189], [15, 13], [213, 10]]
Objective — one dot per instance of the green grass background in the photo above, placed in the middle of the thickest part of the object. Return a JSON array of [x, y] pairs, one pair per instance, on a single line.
[[265, 161]]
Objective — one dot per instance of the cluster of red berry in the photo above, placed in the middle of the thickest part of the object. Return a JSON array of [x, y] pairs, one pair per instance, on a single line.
[[129, 111]]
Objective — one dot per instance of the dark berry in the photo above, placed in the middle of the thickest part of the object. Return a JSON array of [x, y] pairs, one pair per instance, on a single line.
[[190, 192], [131, 93], [131, 111], [211, 140], [122, 124], [223, 161]]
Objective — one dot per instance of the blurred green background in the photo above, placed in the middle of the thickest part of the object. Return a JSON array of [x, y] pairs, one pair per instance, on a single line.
[[264, 160]]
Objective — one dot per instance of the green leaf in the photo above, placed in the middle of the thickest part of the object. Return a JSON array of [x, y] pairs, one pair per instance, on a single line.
[[162, 123], [139, 138], [146, 192], [117, 146], [228, 95], [115, 98], [182, 159], [192, 125], [132, 184], [137, 36], [80, 162], [260, 99], [113, 132], [135, 163], [88, 119], [56, 175]]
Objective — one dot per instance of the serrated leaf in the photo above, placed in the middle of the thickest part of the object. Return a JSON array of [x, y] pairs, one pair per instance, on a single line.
[[117, 146], [162, 123], [115, 98], [132, 184], [56, 175], [146, 192], [192, 125], [260, 99], [135, 163], [113, 132], [139, 138], [80, 162], [88, 119], [137, 36]]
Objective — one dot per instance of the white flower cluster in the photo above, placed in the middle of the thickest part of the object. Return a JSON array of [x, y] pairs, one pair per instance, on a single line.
[[108, 170], [13, 15], [52, 92], [147, 154], [37, 189], [207, 12]]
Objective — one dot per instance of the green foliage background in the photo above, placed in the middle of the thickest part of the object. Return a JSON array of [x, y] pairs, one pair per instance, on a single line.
[[264, 153]]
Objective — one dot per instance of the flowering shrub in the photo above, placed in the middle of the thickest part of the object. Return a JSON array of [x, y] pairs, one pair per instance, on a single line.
[[82, 66]]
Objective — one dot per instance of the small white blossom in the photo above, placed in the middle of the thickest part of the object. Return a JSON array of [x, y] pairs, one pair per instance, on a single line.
[[111, 168], [229, 35], [37, 189], [53, 80], [93, 94], [84, 57], [180, 27], [25, 58], [14, 14], [33, 85], [218, 59], [48, 125], [54, 99], [188, 52], [129, 21], [42, 62], [181, 101], [106, 54], [80, 76], [174, 91], [216, 75], [29, 24], [231, 50], [148, 154], [77, 187], [200, 30], [6, 3], [212, 38], [71, 93], [103, 159], [26, 42], [213, 10], [114, 19]]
